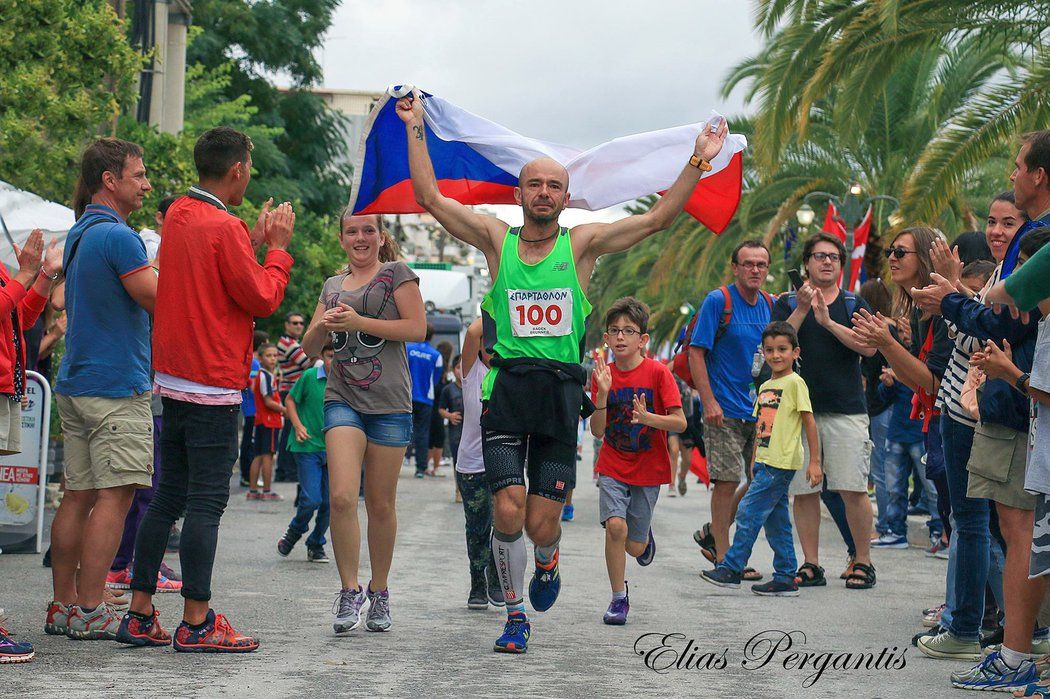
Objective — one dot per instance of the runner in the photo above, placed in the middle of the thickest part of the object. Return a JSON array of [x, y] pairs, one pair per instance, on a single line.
[[637, 403], [371, 310], [534, 321]]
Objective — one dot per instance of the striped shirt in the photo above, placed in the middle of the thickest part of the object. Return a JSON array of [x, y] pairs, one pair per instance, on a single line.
[[292, 361], [949, 397]]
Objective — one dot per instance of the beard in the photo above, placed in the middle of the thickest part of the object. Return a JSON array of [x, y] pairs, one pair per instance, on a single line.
[[538, 218]]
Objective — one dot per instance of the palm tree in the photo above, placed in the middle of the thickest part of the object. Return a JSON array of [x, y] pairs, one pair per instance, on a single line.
[[685, 262], [852, 49]]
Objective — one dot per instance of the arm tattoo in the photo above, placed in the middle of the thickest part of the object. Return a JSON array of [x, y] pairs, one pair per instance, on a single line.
[[418, 130]]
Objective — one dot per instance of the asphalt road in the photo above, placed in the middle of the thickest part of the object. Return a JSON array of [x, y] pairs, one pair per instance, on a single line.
[[728, 642]]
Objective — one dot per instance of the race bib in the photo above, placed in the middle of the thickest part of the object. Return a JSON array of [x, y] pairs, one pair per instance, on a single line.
[[540, 313]]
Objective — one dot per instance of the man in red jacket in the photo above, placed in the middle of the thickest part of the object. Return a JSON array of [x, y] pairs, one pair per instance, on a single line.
[[210, 280]]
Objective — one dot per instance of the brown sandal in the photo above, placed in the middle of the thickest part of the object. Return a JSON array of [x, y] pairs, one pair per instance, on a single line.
[[751, 575]]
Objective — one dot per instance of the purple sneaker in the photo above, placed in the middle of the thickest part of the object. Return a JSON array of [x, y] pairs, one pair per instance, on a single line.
[[650, 551], [616, 614]]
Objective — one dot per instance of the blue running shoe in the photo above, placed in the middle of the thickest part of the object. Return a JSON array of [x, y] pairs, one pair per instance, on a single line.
[[545, 585], [650, 551], [567, 512], [723, 577], [994, 675], [12, 651], [515, 636]]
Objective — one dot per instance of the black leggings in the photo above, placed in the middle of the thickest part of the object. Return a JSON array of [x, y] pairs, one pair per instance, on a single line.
[[198, 447], [551, 464]]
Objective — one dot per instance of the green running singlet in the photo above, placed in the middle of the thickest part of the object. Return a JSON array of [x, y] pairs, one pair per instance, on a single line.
[[538, 310]]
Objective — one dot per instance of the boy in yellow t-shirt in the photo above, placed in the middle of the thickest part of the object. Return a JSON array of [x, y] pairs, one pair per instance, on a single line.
[[783, 411]]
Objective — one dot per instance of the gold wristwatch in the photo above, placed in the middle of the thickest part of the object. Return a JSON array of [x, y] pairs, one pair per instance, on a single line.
[[699, 163]]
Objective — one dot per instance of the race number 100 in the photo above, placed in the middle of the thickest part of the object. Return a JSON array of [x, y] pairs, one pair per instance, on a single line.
[[536, 315]]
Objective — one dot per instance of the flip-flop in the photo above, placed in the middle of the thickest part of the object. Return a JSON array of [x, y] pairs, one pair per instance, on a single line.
[[751, 575]]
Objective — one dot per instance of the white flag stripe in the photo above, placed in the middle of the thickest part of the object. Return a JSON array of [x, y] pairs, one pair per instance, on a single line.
[[611, 173]]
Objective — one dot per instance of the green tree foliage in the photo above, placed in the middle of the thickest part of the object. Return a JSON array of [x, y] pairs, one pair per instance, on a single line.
[[263, 38], [851, 49], [912, 127], [169, 160], [66, 71]]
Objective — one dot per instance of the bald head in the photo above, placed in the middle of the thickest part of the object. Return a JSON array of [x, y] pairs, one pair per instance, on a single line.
[[545, 168], [543, 190]]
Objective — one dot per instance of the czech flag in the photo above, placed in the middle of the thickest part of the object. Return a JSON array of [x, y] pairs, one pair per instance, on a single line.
[[477, 162]]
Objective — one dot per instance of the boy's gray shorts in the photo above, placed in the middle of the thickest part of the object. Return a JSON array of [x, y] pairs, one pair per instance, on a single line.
[[633, 503]]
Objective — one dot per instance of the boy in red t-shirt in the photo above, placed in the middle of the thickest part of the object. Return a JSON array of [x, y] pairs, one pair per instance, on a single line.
[[268, 422], [637, 402]]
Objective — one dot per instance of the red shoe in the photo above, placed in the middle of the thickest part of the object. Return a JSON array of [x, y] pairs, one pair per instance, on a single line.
[[57, 622], [270, 495], [166, 584], [215, 636], [136, 632], [119, 579]]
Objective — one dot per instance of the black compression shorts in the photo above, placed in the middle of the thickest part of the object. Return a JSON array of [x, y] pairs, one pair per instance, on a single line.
[[551, 464]]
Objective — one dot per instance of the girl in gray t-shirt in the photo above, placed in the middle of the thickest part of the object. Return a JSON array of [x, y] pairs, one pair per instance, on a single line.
[[368, 311]]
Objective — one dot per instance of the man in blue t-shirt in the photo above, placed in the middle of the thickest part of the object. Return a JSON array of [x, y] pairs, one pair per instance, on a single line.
[[103, 386], [424, 366], [720, 359]]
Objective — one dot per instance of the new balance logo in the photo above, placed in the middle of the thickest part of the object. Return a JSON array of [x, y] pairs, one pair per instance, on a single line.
[[561, 266]]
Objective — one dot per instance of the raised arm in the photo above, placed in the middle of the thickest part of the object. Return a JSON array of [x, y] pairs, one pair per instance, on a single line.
[[478, 230], [603, 238]]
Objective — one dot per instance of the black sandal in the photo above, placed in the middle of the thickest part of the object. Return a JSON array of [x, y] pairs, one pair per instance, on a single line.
[[706, 542], [810, 575], [862, 577], [751, 575]]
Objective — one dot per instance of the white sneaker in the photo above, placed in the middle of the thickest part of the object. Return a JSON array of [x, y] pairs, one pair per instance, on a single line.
[[349, 609], [889, 541]]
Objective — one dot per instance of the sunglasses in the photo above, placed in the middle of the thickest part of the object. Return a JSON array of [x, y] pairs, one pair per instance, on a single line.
[[898, 253]]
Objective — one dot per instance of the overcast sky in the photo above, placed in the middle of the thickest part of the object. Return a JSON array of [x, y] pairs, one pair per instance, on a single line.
[[578, 72]]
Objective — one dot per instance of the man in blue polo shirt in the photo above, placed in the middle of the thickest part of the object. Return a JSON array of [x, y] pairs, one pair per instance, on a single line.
[[103, 387], [720, 360], [425, 366]]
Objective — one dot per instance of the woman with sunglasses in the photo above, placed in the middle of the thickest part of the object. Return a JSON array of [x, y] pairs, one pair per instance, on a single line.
[[371, 309], [923, 369]]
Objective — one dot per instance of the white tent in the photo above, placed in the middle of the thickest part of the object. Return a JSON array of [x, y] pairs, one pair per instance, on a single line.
[[22, 212]]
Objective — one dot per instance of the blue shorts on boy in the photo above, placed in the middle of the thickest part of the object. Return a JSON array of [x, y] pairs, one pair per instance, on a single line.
[[633, 461], [778, 456]]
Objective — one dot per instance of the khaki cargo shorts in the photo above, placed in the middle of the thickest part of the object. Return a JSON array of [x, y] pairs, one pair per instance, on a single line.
[[10, 426], [729, 449], [997, 466], [108, 441], [845, 452]]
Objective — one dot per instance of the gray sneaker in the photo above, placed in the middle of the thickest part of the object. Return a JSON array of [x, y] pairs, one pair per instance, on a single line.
[[945, 645], [100, 624], [379, 611], [348, 608]]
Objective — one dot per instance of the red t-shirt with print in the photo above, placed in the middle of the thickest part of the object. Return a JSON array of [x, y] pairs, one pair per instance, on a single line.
[[637, 454]]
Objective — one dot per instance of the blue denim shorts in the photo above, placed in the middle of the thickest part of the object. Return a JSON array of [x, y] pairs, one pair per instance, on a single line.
[[388, 430]]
